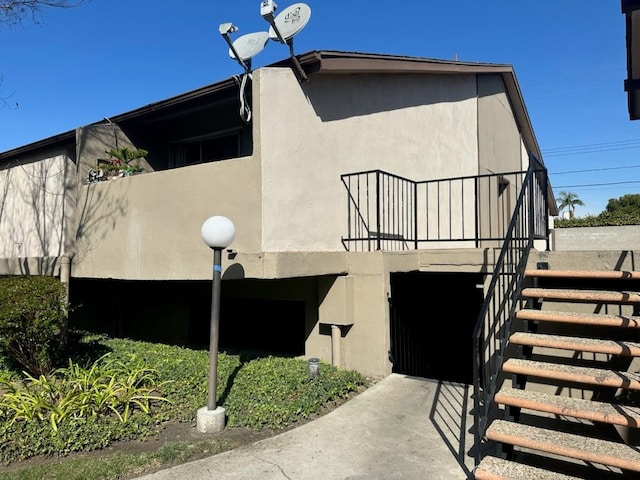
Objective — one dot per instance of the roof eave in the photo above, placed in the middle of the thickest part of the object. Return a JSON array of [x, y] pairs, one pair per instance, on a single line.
[[61, 138]]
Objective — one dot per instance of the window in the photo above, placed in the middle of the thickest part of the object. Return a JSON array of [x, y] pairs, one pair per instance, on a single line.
[[205, 149]]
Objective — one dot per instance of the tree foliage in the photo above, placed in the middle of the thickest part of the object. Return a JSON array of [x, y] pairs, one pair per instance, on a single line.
[[624, 210], [569, 201], [629, 204]]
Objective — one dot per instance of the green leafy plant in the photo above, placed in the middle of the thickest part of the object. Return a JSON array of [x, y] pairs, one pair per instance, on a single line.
[[135, 388], [282, 391], [122, 160], [33, 322], [109, 386]]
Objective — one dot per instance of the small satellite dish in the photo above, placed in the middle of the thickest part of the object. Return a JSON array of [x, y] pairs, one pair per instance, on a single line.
[[249, 45], [290, 21]]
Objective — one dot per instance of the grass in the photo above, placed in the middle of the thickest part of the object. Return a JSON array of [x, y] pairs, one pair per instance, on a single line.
[[262, 395], [119, 465]]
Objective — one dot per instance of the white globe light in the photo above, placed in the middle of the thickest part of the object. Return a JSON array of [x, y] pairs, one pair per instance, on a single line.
[[218, 231]]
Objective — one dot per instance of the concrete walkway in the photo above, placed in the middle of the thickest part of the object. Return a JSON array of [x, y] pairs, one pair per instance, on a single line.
[[400, 428]]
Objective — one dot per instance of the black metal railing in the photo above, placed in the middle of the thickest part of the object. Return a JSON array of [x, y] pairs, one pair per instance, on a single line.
[[528, 223], [381, 211], [389, 212]]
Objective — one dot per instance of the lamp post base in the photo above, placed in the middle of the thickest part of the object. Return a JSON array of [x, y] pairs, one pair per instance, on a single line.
[[210, 421]]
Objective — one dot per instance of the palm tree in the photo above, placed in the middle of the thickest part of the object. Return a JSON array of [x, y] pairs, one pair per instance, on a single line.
[[568, 200]]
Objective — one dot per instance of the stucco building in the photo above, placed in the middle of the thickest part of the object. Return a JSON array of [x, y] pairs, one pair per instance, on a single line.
[[360, 197]]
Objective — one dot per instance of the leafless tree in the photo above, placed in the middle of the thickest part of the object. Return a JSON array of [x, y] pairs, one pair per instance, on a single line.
[[14, 12], [5, 100]]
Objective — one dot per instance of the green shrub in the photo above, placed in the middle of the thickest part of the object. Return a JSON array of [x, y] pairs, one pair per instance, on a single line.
[[268, 392], [108, 387], [33, 319], [604, 219], [78, 408], [274, 392], [23, 440], [184, 369]]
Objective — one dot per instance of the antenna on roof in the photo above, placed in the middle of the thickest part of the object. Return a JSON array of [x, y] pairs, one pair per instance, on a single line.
[[283, 28], [244, 48], [286, 25]]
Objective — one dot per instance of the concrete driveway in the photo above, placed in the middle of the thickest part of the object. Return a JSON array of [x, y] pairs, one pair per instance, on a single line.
[[400, 428]]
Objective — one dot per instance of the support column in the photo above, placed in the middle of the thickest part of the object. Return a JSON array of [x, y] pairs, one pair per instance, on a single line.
[[65, 272], [336, 346]]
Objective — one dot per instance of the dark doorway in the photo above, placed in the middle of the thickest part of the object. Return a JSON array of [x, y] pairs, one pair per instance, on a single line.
[[432, 320]]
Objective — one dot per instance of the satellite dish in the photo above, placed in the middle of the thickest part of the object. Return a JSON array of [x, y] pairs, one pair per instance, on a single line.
[[249, 45], [290, 21]]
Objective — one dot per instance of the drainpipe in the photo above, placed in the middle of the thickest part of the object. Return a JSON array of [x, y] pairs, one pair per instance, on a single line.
[[65, 272], [336, 346], [65, 275]]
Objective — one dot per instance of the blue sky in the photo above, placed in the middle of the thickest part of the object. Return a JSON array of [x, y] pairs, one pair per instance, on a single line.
[[107, 57]]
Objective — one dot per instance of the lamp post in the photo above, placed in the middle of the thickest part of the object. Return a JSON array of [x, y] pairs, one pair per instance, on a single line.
[[217, 232]]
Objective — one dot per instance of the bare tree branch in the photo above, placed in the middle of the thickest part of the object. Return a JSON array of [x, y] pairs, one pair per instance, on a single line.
[[5, 100], [14, 12]]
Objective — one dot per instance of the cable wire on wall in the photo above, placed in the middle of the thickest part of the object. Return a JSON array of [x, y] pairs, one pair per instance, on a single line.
[[245, 109]]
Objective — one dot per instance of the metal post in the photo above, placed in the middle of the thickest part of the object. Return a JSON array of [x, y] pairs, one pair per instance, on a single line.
[[214, 331], [378, 244], [415, 215]]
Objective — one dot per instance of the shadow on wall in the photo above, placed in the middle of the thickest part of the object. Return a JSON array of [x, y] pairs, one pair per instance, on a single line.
[[36, 195], [336, 98]]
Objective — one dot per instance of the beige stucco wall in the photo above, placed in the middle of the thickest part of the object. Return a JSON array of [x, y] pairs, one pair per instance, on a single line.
[[288, 196], [500, 149], [35, 196], [416, 126], [358, 303], [93, 142], [499, 140], [147, 226]]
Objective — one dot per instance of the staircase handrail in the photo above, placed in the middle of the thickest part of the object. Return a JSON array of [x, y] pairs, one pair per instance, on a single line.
[[499, 307]]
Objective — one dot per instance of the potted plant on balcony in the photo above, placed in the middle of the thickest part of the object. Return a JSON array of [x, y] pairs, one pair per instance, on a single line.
[[121, 162]]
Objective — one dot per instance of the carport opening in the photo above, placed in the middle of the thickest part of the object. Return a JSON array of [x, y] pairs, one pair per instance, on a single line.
[[432, 320], [179, 313], [258, 326]]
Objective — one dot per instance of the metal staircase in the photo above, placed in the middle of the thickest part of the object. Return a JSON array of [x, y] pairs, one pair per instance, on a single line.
[[567, 361]]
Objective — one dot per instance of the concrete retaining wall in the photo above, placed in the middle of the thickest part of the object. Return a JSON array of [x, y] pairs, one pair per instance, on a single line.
[[626, 237]]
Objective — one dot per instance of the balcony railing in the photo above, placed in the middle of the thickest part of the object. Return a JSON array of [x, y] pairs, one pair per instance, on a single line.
[[389, 212]]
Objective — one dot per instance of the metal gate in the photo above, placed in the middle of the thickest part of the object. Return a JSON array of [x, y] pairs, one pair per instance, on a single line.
[[432, 316]]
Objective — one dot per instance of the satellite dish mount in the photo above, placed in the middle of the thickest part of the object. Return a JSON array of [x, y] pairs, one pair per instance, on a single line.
[[225, 29], [243, 50], [286, 25], [245, 47]]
